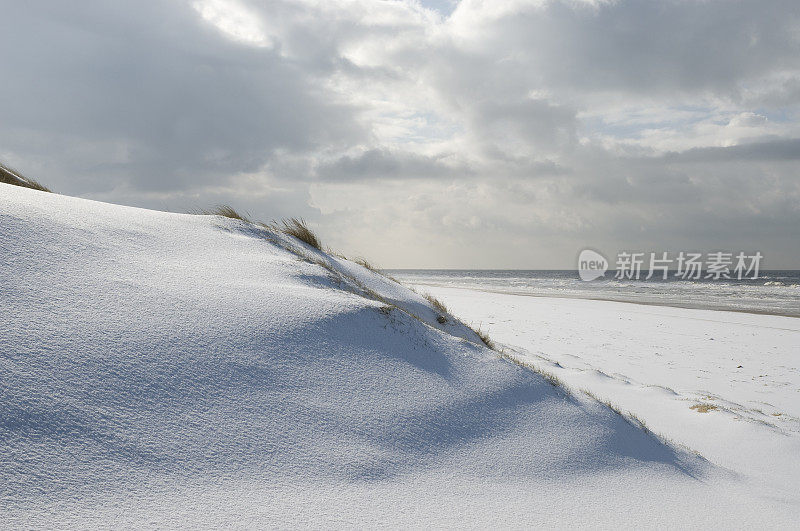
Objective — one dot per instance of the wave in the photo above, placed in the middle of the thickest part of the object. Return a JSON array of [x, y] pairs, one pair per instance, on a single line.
[[778, 295]]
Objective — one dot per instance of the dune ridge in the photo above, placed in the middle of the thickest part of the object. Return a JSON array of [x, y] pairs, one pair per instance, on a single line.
[[170, 369]]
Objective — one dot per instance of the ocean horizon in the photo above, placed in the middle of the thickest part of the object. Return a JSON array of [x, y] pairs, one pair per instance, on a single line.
[[774, 292]]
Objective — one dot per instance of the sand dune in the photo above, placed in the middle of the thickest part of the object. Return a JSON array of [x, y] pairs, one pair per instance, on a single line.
[[162, 369]]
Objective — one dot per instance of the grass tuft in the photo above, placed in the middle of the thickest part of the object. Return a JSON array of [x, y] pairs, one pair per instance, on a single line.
[[363, 262], [297, 227], [293, 226], [630, 418], [228, 211], [11, 176], [439, 307], [485, 338], [225, 211], [436, 303], [551, 378]]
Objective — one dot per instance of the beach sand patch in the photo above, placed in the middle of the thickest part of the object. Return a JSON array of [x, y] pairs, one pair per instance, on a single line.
[[703, 408]]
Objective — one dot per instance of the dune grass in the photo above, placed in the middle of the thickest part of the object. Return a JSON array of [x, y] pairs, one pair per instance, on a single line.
[[9, 175], [229, 212], [551, 378], [363, 262], [485, 338], [436, 303], [298, 228], [627, 416], [295, 227], [439, 307], [225, 211]]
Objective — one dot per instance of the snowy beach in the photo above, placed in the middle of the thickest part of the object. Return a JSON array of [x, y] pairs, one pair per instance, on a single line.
[[400, 264], [181, 370], [724, 384]]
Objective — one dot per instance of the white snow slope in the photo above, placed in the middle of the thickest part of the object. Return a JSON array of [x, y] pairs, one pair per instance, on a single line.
[[165, 370]]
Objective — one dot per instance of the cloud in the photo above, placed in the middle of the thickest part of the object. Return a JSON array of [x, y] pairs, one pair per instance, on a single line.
[[774, 150], [168, 101], [462, 134], [382, 164], [640, 46]]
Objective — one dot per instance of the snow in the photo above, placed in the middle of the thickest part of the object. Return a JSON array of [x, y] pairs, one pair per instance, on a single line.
[[170, 370], [661, 363]]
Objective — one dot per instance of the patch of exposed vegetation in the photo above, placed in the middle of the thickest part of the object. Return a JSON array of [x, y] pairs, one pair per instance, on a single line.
[[363, 262], [9, 175], [298, 228], [485, 338], [439, 306], [703, 408], [551, 378], [295, 227], [225, 211], [635, 421], [436, 303]]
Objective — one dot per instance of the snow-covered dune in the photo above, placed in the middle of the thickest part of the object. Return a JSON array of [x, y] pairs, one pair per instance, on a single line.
[[165, 369]]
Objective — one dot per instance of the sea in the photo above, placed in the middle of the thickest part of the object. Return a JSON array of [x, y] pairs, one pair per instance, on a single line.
[[773, 292]]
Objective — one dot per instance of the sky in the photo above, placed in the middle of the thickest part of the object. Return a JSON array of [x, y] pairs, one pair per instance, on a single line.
[[454, 134]]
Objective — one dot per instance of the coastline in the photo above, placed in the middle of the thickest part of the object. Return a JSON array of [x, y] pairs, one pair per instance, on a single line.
[[666, 304]]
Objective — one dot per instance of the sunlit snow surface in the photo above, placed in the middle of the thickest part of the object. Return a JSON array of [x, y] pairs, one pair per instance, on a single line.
[[174, 370], [725, 384]]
